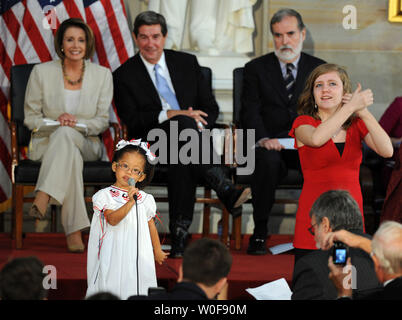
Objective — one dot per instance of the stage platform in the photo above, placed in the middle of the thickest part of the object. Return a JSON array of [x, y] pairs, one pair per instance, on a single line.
[[247, 271]]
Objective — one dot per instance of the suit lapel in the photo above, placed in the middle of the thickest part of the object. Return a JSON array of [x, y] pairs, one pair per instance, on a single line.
[[275, 73], [59, 86], [176, 75], [141, 74], [85, 88]]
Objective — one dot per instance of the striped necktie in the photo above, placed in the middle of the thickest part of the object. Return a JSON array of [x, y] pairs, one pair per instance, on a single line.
[[164, 89], [289, 79]]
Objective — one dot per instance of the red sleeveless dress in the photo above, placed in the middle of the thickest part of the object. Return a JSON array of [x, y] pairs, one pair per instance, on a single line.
[[325, 169]]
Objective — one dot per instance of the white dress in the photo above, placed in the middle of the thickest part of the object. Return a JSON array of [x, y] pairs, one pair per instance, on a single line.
[[112, 250]]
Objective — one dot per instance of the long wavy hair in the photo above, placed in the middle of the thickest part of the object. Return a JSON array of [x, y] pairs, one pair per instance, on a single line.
[[306, 103]]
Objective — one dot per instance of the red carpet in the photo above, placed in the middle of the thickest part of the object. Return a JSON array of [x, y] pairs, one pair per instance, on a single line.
[[247, 271]]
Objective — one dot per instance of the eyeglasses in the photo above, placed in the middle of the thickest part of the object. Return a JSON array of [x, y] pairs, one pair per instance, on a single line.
[[126, 168], [311, 229]]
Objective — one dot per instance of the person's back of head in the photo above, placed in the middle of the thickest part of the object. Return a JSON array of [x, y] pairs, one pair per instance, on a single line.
[[341, 210], [387, 247], [104, 295], [22, 279], [206, 261]]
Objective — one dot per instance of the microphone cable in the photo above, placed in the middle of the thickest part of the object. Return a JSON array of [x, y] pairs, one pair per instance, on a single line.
[[131, 182], [137, 259]]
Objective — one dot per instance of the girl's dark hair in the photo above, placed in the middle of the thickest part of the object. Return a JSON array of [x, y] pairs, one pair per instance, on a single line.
[[149, 167]]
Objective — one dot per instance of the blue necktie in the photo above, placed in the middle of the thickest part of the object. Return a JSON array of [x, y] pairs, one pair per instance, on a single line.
[[164, 90]]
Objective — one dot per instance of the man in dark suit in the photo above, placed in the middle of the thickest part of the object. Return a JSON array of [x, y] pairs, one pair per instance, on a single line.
[[272, 85], [386, 252], [165, 90], [333, 210], [202, 275]]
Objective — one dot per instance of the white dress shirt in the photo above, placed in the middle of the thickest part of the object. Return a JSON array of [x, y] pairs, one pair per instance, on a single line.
[[164, 71], [72, 99]]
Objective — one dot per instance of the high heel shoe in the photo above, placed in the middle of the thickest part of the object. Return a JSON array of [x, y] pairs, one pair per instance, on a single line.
[[74, 242], [76, 248], [35, 212]]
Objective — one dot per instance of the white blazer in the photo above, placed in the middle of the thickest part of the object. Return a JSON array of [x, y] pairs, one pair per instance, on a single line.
[[44, 98]]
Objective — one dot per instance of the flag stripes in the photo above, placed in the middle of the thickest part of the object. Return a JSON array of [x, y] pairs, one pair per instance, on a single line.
[[27, 30]]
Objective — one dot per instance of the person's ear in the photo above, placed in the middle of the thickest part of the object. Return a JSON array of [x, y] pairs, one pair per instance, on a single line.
[[220, 285], [377, 268], [135, 39], [114, 166], [326, 225], [303, 32]]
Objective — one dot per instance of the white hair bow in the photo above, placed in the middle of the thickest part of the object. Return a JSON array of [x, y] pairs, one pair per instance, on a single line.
[[137, 142]]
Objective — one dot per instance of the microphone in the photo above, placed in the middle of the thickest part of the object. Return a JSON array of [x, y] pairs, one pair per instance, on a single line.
[[131, 182]]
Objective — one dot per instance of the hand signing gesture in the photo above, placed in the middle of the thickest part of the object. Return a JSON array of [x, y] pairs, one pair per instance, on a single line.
[[360, 99]]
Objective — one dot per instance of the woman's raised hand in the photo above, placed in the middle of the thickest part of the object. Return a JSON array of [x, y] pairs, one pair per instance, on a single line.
[[360, 99]]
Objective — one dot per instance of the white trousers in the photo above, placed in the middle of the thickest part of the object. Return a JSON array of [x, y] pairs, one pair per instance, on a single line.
[[63, 154]]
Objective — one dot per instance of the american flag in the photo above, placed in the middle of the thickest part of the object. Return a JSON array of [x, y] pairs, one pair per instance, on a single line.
[[27, 28]]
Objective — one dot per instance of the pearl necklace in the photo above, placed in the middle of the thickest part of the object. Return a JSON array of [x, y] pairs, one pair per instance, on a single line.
[[71, 82]]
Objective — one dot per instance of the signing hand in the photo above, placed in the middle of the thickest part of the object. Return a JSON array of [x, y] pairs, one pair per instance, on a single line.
[[346, 98], [361, 99], [67, 119]]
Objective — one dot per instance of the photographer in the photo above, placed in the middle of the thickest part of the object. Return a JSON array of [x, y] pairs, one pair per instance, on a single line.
[[385, 250], [333, 210]]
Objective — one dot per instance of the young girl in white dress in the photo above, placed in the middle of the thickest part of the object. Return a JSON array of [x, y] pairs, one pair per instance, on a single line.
[[123, 242]]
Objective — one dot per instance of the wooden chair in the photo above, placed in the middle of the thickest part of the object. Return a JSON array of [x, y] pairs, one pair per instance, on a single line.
[[25, 172]]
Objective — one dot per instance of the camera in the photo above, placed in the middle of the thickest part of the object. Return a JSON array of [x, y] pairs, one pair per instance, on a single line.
[[340, 253], [152, 291]]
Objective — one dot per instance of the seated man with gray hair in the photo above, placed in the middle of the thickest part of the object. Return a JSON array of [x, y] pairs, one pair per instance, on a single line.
[[333, 210], [385, 250]]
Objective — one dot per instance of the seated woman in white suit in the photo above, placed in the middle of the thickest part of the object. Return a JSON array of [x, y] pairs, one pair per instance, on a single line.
[[71, 90]]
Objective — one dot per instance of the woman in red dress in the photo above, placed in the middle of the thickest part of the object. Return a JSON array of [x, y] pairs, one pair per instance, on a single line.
[[328, 135]]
